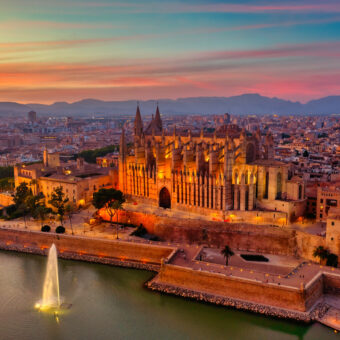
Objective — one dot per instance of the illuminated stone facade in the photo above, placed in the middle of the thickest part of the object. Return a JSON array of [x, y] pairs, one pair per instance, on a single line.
[[225, 171], [327, 197], [78, 179]]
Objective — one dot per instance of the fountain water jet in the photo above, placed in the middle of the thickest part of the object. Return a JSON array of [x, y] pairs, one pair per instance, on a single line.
[[51, 296]]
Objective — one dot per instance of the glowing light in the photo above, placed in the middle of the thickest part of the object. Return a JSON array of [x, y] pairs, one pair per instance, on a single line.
[[81, 202]]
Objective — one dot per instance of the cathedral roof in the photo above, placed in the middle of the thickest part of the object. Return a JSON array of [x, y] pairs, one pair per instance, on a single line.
[[268, 162], [156, 124]]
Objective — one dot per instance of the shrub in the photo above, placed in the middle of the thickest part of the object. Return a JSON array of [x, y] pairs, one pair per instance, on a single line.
[[154, 238], [16, 214], [46, 228], [60, 230], [140, 231], [332, 260], [11, 209]]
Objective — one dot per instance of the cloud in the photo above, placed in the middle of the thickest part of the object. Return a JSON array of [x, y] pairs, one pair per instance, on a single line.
[[290, 71], [194, 7], [60, 25]]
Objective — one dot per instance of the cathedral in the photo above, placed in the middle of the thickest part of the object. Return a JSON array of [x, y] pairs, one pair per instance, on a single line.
[[226, 172]]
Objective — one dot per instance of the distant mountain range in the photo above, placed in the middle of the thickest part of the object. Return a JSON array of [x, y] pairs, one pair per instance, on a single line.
[[243, 104]]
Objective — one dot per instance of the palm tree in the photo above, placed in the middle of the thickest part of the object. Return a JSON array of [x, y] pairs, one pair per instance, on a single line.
[[227, 252], [321, 253]]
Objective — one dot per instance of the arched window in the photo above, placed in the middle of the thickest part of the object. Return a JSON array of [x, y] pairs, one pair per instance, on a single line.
[[278, 186], [300, 192], [266, 185], [257, 185], [236, 177]]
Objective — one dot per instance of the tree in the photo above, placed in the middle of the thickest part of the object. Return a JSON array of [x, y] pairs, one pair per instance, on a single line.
[[305, 154], [20, 198], [227, 252], [21, 193], [36, 207], [91, 155], [41, 212], [33, 202], [321, 253], [110, 199], [332, 260], [69, 209], [58, 202]]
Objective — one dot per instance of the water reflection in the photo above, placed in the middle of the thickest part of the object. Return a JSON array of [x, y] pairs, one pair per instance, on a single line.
[[110, 302]]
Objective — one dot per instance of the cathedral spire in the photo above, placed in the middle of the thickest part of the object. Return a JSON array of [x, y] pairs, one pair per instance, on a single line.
[[138, 123], [158, 120]]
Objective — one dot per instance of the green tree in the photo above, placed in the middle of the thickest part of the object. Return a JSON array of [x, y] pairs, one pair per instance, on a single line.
[[321, 253], [6, 171], [91, 155], [58, 202], [110, 199], [42, 212], [20, 198], [227, 253], [305, 154], [6, 184], [33, 202], [21, 194], [332, 260]]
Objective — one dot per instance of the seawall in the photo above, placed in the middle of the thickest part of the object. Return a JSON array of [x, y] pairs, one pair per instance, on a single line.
[[280, 301], [266, 298], [113, 252]]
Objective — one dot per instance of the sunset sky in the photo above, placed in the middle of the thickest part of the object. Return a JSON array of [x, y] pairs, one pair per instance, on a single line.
[[67, 50]]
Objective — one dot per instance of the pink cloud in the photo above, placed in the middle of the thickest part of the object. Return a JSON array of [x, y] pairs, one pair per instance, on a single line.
[[15, 24], [215, 73]]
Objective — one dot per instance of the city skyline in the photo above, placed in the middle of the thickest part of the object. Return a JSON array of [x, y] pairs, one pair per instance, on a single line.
[[68, 51]]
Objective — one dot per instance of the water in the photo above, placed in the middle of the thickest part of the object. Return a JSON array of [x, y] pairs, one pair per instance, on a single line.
[[111, 303], [51, 296]]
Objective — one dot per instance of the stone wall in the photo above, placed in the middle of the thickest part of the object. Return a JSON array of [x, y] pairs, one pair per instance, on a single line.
[[331, 284], [291, 209], [306, 243], [84, 246], [259, 238], [313, 291], [241, 289]]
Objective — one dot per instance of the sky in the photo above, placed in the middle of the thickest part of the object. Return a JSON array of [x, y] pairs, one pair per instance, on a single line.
[[68, 50]]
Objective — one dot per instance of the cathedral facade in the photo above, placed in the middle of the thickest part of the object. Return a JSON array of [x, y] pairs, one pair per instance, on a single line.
[[226, 171]]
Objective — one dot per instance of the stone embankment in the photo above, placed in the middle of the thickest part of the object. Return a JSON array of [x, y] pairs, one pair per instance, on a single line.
[[317, 313], [83, 257], [291, 304]]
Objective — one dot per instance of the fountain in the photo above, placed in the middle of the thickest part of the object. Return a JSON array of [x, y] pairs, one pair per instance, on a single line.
[[51, 297]]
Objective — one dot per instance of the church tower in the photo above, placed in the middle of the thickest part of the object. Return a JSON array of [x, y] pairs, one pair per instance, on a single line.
[[138, 128], [158, 120]]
